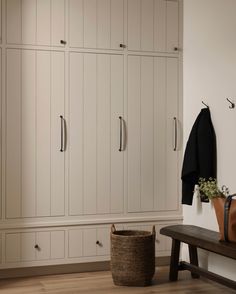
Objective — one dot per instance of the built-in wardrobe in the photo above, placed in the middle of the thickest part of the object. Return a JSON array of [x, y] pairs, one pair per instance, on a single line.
[[90, 126]]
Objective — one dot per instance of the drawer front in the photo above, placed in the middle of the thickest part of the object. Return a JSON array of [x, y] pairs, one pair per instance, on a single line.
[[42, 245], [57, 244], [88, 242], [75, 243], [34, 246], [27, 246]]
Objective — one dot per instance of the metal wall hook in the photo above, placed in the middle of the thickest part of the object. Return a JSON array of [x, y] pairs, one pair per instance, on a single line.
[[205, 104], [232, 104]]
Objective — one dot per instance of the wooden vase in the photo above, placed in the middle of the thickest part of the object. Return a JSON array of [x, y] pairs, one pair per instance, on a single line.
[[218, 204]]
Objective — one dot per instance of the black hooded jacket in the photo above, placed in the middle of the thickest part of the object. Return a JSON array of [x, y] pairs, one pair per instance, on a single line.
[[200, 155]]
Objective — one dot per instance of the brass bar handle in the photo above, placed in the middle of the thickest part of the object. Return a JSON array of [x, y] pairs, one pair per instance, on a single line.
[[175, 134], [121, 133], [63, 134]]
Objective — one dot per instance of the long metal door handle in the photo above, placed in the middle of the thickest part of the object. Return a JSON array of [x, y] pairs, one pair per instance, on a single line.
[[62, 149], [121, 133], [175, 134]]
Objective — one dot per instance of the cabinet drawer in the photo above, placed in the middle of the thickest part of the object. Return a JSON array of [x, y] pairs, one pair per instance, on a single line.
[[34, 22], [86, 242], [153, 25], [96, 24], [34, 246]]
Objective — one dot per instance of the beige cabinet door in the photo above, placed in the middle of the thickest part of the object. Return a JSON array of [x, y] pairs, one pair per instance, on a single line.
[[34, 162], [50, 245], [1, 139], [87, 242], [28, 250], [0, 21], [95, 162], [35, 22], [34, 246], [75, 243], [57, 244], [153, 25], [152, 158], [103, 240], [96, 23], [42, 242], [13, 247]]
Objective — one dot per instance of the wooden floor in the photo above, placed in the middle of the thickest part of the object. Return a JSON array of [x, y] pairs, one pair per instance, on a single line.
[[101, 282]]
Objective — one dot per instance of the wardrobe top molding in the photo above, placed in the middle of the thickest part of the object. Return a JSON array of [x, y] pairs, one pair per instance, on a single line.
[[150, 26]]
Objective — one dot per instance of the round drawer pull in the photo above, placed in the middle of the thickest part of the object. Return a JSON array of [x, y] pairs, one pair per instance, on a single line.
[[122, 45], [99, 243], [176, 48], [36, 246], [63, 42]]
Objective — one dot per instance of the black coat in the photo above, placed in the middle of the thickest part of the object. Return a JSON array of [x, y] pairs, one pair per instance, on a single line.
[[200, 155]]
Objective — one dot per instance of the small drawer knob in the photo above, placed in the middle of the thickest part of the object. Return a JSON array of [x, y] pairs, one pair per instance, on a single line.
[[63, 42], [122, 45], [99, 243], [36, 246], [176, 48]]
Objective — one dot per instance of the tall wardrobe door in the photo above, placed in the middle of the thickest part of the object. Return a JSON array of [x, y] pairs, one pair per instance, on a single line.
[[96, 164], [172, 136], [153, 25], [0, 21], [96, 23], [35, 22], [1, 128], [166, 134], [152, 106], [34, 163]]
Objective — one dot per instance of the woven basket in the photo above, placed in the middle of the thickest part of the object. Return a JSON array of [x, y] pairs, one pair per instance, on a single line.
[[132, 257]]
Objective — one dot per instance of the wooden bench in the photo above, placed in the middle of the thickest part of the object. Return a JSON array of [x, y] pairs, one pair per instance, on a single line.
[[197, 237]]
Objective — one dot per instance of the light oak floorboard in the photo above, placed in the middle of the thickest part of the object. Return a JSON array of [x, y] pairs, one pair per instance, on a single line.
[[101, 283]]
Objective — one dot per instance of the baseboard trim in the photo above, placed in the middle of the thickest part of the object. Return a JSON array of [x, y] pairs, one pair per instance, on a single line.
[[66, 268]]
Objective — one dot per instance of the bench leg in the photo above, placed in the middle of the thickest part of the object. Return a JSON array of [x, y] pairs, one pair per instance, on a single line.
[[193, 259], [174, 261]]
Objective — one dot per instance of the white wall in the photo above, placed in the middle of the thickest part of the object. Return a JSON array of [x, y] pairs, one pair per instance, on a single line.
[[210, 75]]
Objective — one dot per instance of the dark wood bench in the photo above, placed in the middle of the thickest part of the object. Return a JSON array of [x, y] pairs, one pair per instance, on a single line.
[[197, 237]]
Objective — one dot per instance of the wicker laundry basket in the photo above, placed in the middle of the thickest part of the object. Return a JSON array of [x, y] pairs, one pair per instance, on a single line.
[[132, 257]]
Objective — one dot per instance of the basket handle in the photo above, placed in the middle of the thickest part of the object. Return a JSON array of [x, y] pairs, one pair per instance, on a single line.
[[113, 228], [153, 230]]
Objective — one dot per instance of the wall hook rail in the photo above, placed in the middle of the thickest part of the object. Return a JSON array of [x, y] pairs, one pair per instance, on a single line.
[[232, 104]]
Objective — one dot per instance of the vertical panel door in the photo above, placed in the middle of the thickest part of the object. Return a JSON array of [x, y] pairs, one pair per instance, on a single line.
[[35, 22], [96, 23], [95, 164], [153, 25], [34, 162], [152, 107], [1, 132], [0, 21]]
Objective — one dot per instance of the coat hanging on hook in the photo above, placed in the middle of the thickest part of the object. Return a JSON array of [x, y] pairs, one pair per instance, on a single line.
[[200, 155]]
